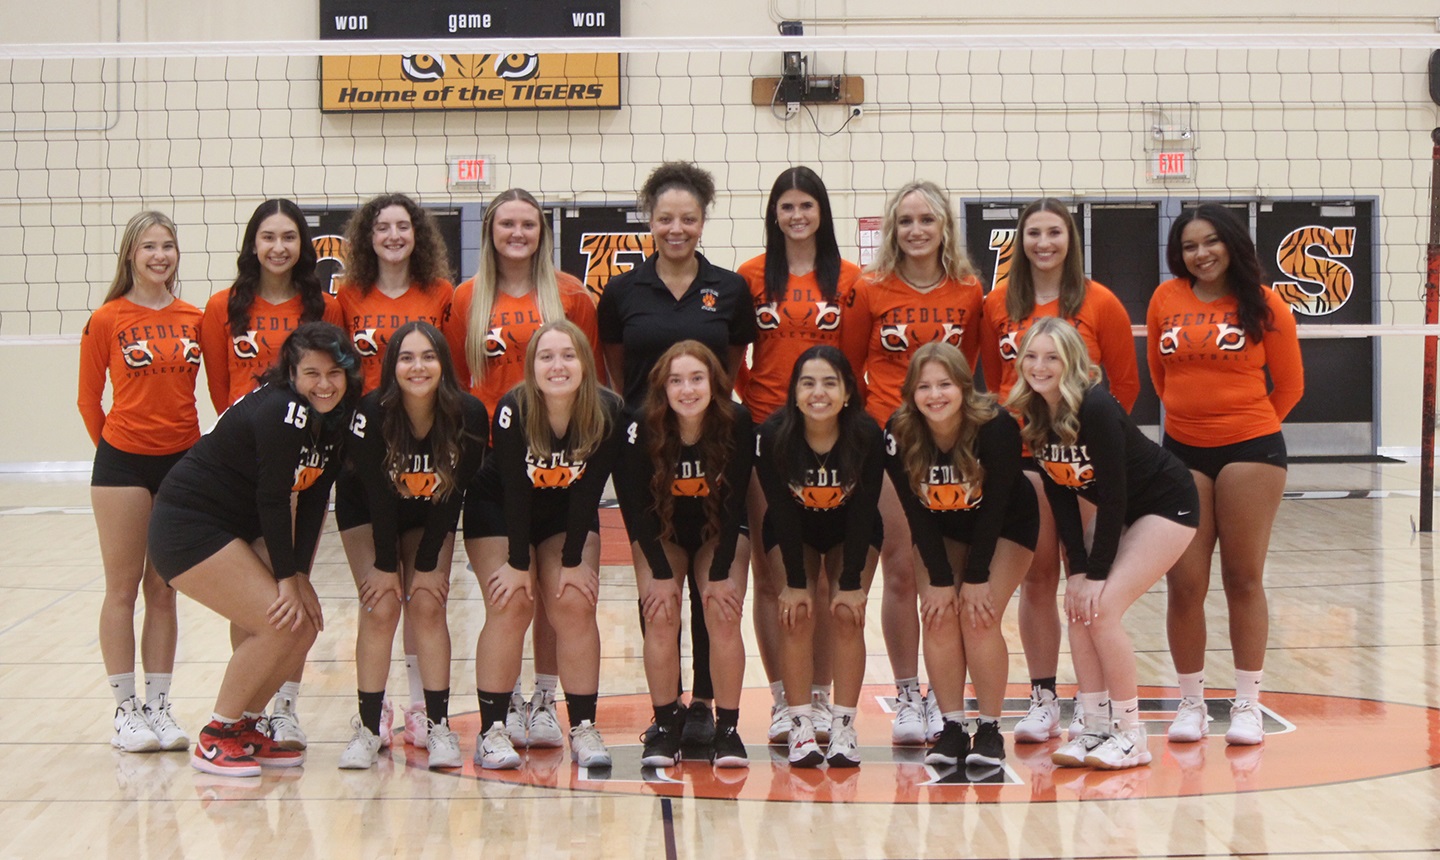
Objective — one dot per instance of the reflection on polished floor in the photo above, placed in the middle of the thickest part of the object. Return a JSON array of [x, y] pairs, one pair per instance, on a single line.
[[1351, 768]]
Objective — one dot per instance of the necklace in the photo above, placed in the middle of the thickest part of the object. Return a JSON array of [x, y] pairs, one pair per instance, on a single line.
[[916, 286]]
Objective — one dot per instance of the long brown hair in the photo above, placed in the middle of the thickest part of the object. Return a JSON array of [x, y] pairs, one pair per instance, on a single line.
[[590, 421], [429, 261], [124, 279], [913, 439], [1078, 376], [487, 279], [447, 433], [716, 445], [1020, 287]]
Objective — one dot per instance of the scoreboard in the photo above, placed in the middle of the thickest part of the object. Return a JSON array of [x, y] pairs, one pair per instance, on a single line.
[[467, 19]]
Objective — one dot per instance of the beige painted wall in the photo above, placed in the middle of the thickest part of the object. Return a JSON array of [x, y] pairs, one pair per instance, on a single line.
[[191, 136]]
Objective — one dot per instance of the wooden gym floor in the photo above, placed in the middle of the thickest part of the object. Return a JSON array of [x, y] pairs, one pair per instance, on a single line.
[[1350, 767]]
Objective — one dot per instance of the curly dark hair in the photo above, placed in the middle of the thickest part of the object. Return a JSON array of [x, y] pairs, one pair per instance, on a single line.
[[429, 262], [327, 338], [682, 175]]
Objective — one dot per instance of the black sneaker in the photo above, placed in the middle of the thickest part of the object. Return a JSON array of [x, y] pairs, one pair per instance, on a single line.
[[951, 748], [729, 749], [699, 727], [662, 746], [989, 746]]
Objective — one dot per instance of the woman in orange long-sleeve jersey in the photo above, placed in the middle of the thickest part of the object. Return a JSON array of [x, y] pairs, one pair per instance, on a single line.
[[1047, 279], [515, 292], [920, 288], [396, 271], [1214, 332], [148, 341]]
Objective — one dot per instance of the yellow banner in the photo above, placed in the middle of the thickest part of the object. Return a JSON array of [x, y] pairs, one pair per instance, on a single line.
[[470, 82]]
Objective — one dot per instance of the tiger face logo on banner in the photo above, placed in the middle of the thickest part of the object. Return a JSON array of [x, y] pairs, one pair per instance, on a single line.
[[1322, 284], [611, 254], [477, 82]]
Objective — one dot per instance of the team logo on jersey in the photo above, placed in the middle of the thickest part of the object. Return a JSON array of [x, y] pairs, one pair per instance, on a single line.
[[949, 497], [245, 345], [893, 338], [827, 316], [709, 299], [767, 316], [190, 349], [691, 488], [1010, 346], [553, 477], [821, 498], [1073, 475], [366, 343], [494, 343], [1229, 338], [419, 485], [137, 354], [952, 334], [1170, 341]]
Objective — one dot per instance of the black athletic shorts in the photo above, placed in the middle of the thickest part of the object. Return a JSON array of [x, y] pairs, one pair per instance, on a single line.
[[1269, 449], [180, 538], [352, 507], [484, 516], [1171, 494], [822, 531], [116, 468], [1021, 523]]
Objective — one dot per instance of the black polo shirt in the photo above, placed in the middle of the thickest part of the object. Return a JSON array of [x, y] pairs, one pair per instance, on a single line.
[[637, 311]]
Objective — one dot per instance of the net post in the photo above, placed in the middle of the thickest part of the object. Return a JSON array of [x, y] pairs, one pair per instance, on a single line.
[[1432, 316]]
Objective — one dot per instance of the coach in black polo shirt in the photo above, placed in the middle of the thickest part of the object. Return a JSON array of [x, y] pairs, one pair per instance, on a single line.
[[676, 294]]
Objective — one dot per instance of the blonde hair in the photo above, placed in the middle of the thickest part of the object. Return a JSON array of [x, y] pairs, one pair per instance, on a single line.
[[913, 439], [487, 280], [589, 420], [124, 279], [1078, 375], [953, 259]]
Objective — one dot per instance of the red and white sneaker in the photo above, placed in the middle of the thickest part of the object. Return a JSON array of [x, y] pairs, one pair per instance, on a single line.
[[263, 749], [220, 751]]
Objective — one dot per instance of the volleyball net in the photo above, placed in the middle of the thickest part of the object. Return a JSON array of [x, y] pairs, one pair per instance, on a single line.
[[1321, 142]]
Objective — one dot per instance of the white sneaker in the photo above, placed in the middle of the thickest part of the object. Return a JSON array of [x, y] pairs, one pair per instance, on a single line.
[[387, 723], [779, 724], [909, 727], [844, 748], [493, 750], [416, 722], [1042, 721], [804, 751], [934, 720], [1191, 723], [1077, 721], [363, 750], [162, 723], [517, 717], [542, 726], [587, 748], [820, 716], [1124, 748], [1247, 724], [285, 728], [132, 730], [1072, 753], [442, 744]]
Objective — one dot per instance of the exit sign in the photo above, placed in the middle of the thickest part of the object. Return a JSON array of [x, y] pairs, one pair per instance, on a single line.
[[477, 172], [1170, 165]]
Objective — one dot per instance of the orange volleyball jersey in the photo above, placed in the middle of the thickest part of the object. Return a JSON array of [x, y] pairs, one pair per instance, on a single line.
[[788, 327], [152, 357], [232, 362], [372, 317], [1210, 376], [1101, 321], [893, 319], [513, 322]]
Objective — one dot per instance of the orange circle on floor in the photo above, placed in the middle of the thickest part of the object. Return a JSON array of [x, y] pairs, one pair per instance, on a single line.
[[1310, 740]]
